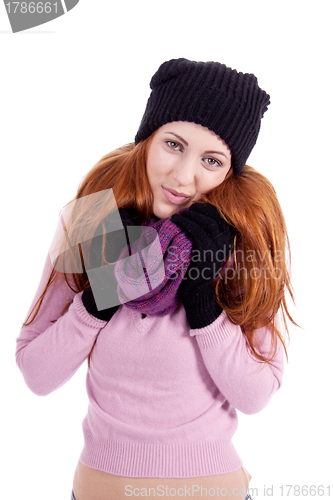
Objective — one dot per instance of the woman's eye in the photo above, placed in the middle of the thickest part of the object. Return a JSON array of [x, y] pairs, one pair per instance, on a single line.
[[173, 145], [212, 162]]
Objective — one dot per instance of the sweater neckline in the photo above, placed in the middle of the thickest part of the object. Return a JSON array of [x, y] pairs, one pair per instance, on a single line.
[[142, 324]]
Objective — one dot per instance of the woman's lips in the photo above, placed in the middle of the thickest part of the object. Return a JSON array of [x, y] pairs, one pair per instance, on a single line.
[[173, 198]]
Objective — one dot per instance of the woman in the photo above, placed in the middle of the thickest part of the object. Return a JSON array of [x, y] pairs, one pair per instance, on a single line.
[[179, 347]]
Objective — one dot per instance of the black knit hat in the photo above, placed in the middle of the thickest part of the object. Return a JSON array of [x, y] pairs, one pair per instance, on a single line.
[[227, 102]]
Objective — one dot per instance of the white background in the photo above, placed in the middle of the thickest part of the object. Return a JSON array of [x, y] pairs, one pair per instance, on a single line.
[[73, 90]]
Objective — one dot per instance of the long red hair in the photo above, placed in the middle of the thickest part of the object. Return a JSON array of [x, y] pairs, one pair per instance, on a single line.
[[252, 283]]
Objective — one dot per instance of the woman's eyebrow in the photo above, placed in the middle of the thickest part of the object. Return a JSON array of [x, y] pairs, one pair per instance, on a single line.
[[178, 137], [215, 153]]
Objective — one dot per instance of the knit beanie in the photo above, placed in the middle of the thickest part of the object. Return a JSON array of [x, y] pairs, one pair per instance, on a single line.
[[227, 102]]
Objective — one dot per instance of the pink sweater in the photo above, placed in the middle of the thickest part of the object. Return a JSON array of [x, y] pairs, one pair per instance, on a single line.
[[162, 397]]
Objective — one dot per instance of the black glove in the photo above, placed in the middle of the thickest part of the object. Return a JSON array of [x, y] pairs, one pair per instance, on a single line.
[[115, 242], [212, 239]]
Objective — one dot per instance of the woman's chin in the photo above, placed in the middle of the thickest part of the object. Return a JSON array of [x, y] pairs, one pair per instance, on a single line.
[[164, 212]]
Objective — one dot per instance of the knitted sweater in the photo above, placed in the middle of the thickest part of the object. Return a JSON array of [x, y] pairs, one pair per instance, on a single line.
[[162, 397]]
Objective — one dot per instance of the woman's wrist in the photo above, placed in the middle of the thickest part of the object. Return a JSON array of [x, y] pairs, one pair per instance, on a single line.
[[201, 306], [90, 305]]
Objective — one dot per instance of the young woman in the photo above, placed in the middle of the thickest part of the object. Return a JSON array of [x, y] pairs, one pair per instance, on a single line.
[[179, 348]]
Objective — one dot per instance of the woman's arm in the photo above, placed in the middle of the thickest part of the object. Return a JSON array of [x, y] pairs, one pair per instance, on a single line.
[[246, 383], [48, 353]]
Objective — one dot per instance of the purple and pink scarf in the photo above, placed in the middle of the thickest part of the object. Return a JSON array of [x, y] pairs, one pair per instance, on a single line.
[[148, 280]]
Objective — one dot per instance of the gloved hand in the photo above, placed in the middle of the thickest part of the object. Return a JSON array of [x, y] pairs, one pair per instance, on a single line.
[[212, 239], [115, 242]]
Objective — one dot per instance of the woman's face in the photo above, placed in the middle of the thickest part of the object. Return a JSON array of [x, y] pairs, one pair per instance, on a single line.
[[185, 161]]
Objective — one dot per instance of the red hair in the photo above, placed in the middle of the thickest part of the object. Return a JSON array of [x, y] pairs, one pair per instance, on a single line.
[[247, 201]]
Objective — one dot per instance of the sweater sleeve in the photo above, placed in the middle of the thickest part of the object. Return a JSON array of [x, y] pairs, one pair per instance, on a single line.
[[245, 382], [53, 346]]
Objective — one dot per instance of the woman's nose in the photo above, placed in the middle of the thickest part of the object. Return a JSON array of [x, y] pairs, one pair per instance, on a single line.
[[185, 171]]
